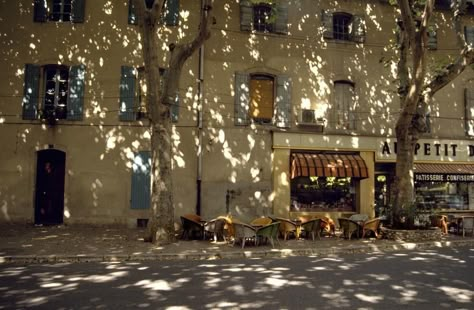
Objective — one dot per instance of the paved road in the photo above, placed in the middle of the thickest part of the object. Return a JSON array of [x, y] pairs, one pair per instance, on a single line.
[[429, 279]]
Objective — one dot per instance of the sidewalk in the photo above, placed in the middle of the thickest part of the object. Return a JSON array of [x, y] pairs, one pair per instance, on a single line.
[[22, 243]]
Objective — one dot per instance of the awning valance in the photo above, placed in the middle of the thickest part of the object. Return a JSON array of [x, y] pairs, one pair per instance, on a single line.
[[328, 165], [444, 168]]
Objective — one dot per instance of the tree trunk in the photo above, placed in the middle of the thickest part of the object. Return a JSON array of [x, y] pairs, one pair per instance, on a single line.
[[161, 228]]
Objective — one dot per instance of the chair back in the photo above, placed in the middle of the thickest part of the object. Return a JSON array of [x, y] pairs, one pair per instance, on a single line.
[[261, 221], [359, 217], [468, 222], [242, 230]]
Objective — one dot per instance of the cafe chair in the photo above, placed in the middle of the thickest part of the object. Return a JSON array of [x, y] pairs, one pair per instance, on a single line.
[[268, 232], [312, 227], [287, 228], [215, 229], [244, 232], [328, 225], [192, 225], [441, 221], [348, 227], [371, 226], [467, 225]]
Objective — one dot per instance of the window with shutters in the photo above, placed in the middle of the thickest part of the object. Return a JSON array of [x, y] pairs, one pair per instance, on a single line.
[[343, 26], [170, 12], [268, 17], [59, 10], [263, 99], [344, 105], [53, 92]]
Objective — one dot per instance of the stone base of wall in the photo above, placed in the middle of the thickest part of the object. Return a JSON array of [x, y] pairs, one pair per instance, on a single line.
[[413, 235]]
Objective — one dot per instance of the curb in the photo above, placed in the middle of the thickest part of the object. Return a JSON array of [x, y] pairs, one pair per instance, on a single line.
[[272, 253]]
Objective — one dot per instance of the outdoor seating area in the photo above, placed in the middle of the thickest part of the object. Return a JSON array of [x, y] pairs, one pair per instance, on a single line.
[[269, 230]]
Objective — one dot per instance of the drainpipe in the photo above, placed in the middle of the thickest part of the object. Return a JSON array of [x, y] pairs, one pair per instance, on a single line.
[[199, 125]]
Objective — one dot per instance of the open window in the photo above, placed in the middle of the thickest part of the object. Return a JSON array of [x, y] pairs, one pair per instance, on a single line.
[[53, 92]]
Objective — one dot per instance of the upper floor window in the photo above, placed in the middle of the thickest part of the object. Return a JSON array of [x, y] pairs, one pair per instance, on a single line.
[[170, 12], [53, 92], [343, 26], [262, 98], [262, 89], [344, 105], [59, 10], [264, 17]]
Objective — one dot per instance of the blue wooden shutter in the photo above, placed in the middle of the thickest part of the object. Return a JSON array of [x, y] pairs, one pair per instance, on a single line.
[[174, 109], [432, 43], [40, 11], [281, 21], [127, 94], [246, 15], [242, 99], [77, 11], [327, 20], [171, 13], [31, 92], [75, 102], [141, 181], [282, 114], [132, 13], [469, 34]]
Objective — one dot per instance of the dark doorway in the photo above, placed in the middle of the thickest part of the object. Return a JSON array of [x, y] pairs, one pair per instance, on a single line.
[[49, 200]]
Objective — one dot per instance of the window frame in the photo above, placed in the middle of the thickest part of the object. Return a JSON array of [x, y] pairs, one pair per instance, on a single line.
[[341, 26], [265, 11], [54, 11], [252, 108], [59, 107]]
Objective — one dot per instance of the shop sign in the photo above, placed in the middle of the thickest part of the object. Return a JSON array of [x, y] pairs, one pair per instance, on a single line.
[[437, 177], [436, 150]]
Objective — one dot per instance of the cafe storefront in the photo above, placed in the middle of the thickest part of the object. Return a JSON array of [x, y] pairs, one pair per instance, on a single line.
[[443, 174]]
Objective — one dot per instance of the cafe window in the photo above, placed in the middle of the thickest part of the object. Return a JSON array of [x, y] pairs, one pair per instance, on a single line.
[[446, 196], [329, 194]]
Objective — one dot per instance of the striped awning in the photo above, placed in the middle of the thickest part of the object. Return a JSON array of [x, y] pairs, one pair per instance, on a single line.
[[328, 165]]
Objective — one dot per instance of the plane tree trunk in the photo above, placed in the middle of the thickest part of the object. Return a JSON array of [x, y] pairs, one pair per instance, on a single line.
[[161, 229]]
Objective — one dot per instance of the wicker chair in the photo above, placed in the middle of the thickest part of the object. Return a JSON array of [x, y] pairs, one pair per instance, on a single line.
[[288, 227], [348, 227], [441, 221], [328, 226], [312, 227], [192, 225], [371, 226], [268, 232], [243, 232], [215, 228], [467, 225]]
